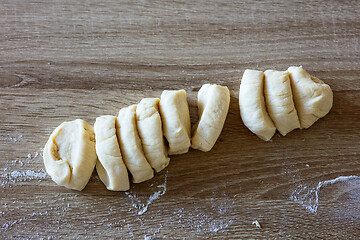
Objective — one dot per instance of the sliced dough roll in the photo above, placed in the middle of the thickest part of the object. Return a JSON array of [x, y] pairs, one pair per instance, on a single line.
[[252, 105], [150, 132], [130, 145], [110, 166], [69, 155], [213, 106], [279, 101], [175, 117], [313, 98]]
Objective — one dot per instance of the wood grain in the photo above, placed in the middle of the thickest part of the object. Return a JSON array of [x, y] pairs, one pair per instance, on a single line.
[[63, 60]]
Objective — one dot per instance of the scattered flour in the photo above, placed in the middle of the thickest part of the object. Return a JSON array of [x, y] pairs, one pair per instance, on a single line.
[[201, 220], [308, 197], [32, 157], [14, 138], [143, 207], [17, 176], [153, 236]]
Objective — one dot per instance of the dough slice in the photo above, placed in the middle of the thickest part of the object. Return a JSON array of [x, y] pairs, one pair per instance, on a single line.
[[313, 98], [130, 145], [69, 154], [213, 106], [175, 117], [110, 167], [279, 101], [252, 105], [150, 132]]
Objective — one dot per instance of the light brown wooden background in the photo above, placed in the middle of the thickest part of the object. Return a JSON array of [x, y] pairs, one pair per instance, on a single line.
[[62, 60]]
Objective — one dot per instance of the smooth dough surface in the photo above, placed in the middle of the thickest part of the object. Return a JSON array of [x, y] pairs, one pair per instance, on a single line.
[[279, 101], [150, 132], [174, 110], [130, 145], [69, 155], [213, 106], [313, 98], [110, 166], [252, 105]]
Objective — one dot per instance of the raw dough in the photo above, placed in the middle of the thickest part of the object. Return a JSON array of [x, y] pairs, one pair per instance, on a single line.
[[69, 155], [279, 101], [110, 167], [130, 145], [313, 98], [150, 132], [252, 105], [213, 106], [175, 117]]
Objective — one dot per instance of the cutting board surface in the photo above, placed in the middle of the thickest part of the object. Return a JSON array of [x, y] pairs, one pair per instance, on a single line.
[[65, 60]]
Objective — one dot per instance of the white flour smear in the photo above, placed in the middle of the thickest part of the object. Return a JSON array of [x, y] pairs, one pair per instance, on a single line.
[[26, 176], [308, 197], [143, 207]]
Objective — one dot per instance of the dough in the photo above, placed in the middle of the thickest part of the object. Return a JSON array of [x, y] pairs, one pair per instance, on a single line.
[[279, 101], [252, 105], [69, 154], [175, 117], [130, 145], [213, 106], [150, 132], [313, 98], [110, 167]]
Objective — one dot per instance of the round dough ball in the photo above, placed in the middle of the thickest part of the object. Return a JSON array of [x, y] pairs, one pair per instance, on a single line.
[[69, 155]]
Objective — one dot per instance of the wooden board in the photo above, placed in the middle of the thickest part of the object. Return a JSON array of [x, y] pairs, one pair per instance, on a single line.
[[63, 60]]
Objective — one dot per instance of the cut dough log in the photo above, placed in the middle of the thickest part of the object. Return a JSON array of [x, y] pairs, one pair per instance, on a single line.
[[313, 98], [175, 117], [150, 132], [69, 155], [279, 101], [213, 106], [130, 145], [110, 166], [252, 105]]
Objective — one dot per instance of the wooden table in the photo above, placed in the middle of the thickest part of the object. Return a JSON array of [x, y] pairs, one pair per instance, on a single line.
[[62, 60]]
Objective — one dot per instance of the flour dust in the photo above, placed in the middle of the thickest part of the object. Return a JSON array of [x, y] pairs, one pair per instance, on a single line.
[[142, 207], [308, 196]]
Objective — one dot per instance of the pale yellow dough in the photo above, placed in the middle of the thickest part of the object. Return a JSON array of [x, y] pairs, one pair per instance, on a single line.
[[150, 132], [175, 117], [130, 145], [213, 106], [279, 101], [313, 98], [252, 105], [110, 166], [69, 155]]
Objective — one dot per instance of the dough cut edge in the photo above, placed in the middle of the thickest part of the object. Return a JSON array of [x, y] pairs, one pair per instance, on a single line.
[[175, 116], [110, 166]]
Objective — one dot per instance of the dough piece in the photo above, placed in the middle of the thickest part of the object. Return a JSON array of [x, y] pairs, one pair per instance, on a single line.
[[150, 132], [313, 98], [110, 167], [252, 105], [130, 145], [69, 154], [213, 106], [175, 117], [279, 101]]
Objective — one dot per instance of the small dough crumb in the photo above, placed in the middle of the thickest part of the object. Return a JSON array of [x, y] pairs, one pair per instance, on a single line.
[[256, 223]]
